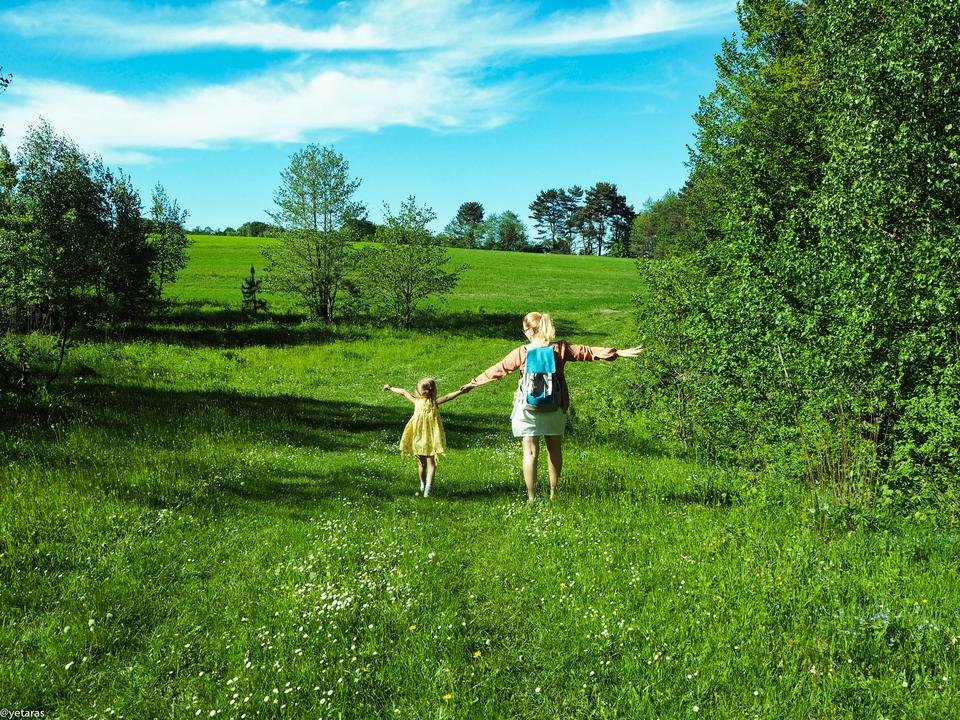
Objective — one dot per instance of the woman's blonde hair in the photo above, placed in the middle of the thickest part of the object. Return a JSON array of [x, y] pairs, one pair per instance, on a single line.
[[542, 326], [427, 388]]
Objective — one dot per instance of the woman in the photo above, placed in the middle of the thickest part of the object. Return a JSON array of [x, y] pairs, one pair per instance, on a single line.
[[541, 402]]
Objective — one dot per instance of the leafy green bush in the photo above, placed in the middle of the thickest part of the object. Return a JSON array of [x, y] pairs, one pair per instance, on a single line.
[[821, 302]]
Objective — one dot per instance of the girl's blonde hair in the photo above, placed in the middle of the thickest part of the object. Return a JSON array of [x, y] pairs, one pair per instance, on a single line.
[[427, 388], [542, 326]]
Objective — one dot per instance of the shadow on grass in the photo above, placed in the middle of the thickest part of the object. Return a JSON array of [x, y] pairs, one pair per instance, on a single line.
[[196, 324], [501, 490], [708, 497], [301, 494], [480, 324], [136, 429], [145, 445], [159, 416]]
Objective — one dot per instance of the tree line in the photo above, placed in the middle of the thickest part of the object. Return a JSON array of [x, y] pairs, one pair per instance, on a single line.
[[804, 304], [592, 222], [337, 263], [598, 221], [78, 252]]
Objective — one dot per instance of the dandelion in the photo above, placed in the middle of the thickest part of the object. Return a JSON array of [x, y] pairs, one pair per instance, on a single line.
[[448, 697], [477, 654], [412, 628]]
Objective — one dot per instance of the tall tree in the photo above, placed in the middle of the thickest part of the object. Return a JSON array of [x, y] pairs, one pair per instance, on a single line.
[[169, 239], [571, 201], [554, 214], [410, 265], [470, 213], [314, 205], [63, 193], [316, 191], [512, 234], [606, 217], [549, 216], [126, 280], [464, 229], [659, 226]]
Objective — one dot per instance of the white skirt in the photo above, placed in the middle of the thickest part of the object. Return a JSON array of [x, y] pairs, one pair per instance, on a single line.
[[526, 423]]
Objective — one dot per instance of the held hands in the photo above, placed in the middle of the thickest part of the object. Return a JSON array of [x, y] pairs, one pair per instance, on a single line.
[[630, 352], [386, 388]]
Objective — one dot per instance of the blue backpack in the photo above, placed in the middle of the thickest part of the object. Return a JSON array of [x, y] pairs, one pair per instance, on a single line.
[[539, 382]]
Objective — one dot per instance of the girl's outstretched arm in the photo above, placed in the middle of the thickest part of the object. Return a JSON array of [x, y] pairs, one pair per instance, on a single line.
[[630, 352], [399, 391], [450, 396]]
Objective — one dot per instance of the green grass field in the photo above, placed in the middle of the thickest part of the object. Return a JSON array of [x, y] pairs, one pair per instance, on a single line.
[[214, 521]]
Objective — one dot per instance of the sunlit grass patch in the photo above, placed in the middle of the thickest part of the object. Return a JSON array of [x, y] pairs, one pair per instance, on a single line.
[[215, 521]]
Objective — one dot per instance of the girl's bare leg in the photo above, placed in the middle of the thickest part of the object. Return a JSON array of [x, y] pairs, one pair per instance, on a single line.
[[531, 453], [431, 471], [555, 461], [422, 470]]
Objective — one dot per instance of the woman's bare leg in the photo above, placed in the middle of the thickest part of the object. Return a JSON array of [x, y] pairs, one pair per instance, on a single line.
[[531, 453], [555, 461], [431, 471]]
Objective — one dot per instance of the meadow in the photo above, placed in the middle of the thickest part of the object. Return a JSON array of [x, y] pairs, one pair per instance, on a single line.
[[211, 519]]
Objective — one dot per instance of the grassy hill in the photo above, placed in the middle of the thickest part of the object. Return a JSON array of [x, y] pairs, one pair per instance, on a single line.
[[217, 523]]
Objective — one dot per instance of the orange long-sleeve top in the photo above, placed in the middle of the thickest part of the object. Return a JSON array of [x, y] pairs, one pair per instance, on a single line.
[[563, 351]]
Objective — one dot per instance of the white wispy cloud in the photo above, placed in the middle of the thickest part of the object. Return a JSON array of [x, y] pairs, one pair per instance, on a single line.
[[284, 107], [367, 25], [425, 64], [619, 22]]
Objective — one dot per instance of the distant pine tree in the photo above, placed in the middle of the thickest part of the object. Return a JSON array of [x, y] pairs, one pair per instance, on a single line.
[[251, 303]]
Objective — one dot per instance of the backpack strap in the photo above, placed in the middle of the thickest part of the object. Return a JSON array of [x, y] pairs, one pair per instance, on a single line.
[[525, 349]]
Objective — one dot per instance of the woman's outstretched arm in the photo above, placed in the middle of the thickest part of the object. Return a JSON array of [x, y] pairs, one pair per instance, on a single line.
[[399, 391], [586, 353], [503, 368]]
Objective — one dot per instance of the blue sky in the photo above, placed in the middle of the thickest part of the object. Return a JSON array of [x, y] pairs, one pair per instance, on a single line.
[[447, 100]]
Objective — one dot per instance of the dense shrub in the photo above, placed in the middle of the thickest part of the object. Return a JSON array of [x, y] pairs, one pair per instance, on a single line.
[[820, 280]]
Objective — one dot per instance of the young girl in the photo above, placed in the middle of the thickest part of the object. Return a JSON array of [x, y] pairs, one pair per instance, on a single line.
[[423, 435]]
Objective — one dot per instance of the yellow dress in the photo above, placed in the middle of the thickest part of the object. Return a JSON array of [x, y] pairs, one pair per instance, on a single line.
[[423, 434]]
